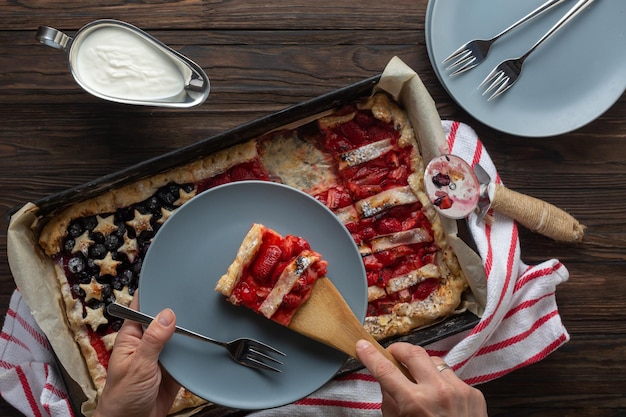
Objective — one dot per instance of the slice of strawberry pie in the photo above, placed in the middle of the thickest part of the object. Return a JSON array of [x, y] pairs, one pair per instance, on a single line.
[[271, 274]]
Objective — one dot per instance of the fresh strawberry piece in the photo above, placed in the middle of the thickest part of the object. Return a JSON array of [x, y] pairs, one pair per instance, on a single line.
[[241, 173], [403, 268], [372, 263], [258, 170], [411, 223], [372, 278], [372, 310], [367, 232], [335, 198], [293, 246], [425, 288], [353, 132], [443, 202], [98, 345], [291, 301], [386, 257], [265, 264], [245, 294], [384, 276], [337, 143], [392, 160], [388, 225], [320, 268], [360, 192], [352, 227], [386, 307]]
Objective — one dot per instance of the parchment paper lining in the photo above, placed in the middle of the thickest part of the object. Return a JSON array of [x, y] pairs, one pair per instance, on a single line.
[[35, 278]]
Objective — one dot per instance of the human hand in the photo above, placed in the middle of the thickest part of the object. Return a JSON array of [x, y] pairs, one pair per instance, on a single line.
[[136, 385], [436, 392]]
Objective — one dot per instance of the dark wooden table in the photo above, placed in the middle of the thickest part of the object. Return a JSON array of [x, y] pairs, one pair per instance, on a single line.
[[263, 56]]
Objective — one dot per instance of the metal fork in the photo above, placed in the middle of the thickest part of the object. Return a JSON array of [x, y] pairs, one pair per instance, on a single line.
[[505, 74], [474, 52], [247, 352]]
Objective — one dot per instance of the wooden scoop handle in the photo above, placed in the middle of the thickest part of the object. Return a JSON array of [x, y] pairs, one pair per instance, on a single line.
[[537, 215], [327, 318]]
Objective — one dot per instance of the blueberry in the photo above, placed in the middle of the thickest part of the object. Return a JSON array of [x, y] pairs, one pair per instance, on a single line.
[[152, 205], [76, 228], [84, 277], [90, 222], [167, 196], [68, 245], [112, 242], [107, 294], [116, 324], [77, 291], [137, 266], [76, 264], [97, 237], [117, 283], [97, 251], [126, 277], [94, 304], [92, 267], [121, 230]]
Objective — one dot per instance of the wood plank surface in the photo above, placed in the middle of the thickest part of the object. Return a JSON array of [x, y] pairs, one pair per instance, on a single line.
[[264, 56]]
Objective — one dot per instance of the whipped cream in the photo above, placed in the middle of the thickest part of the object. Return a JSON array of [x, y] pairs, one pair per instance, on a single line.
[[115, 62]]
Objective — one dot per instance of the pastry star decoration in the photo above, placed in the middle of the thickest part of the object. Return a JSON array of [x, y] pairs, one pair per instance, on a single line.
[[184, 196], [140, 222], [108, 266], [165, 214], [82, 243], [122, 296], [105, 225], [129, 248], [95, 317], [92, 290]]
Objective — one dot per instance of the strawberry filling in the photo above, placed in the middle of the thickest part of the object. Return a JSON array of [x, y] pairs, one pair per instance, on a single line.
[[372, 161], [418, 292], [252, 170], [263, 273]]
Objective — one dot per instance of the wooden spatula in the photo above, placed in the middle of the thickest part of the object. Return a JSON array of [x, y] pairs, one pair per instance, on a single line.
[[327, 318]]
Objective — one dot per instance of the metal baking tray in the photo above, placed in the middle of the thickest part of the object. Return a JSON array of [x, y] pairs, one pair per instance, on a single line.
[[53, 204]]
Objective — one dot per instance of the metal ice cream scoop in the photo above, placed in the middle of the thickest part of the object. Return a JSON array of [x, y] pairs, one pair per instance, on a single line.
[[456, 190]]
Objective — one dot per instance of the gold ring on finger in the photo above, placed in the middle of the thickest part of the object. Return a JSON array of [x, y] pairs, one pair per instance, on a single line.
[[442, 367]]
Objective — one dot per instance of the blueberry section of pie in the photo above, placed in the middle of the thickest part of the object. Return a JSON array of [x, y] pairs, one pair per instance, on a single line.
[[102, 255]]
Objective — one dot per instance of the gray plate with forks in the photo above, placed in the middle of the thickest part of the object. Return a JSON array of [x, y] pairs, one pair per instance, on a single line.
[[190, 252], [571, 80]]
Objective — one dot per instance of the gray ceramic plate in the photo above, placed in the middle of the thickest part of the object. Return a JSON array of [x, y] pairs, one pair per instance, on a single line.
[[190, 253], [568, 82]]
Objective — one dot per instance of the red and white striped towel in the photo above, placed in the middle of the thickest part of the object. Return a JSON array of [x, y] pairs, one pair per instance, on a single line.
[[520, 326], [29, 378]]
